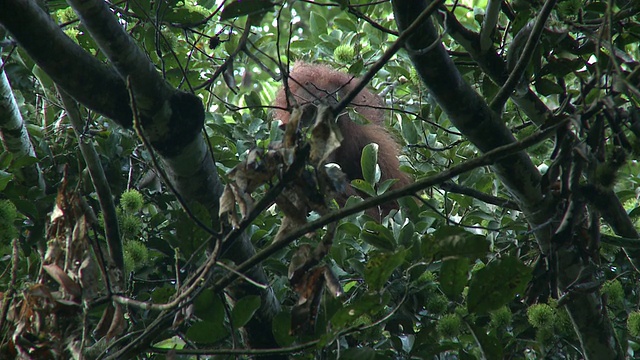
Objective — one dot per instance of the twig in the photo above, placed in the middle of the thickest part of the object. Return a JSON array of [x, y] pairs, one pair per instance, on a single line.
[[11, 287], [455, 188], [395, 47], [198, 281], [100, 183], [505, 91], [488, 158]]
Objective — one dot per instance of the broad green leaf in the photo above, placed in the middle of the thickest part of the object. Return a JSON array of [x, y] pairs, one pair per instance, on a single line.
[[5, 178], [183, 15], [358, 353], [23, 161], [281, 327], [357, 67], [5, 159], [496, 284], [244, 309], [386, 185], [409, 131], [453, 277], [363, 186], [406, 234], [317, 23], [378, 235], [238, 8], [174, 342], [452, 241], [162, 295], [209, 307], [368, 303], [489, 345], [547, 87], [380, 266], [141, 8], [369, 163], [28, 207], [205, 332], [346, 24], [252, 100]]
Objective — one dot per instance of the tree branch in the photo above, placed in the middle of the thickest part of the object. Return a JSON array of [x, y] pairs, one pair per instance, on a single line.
[[77, 72], [515, 76], [101, 185]]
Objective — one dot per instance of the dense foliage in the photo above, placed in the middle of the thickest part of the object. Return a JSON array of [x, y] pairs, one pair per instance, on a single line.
[[479, 263]]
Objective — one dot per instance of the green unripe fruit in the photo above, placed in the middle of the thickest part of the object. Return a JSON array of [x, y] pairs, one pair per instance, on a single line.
[[344, 54], [8, 212], [501, 318], [436, 304], [8, 215], [130, 226], [614, 291], [449, 326], [633, 324], [136, 255], [129, 264], [131, 201], [541, 316]]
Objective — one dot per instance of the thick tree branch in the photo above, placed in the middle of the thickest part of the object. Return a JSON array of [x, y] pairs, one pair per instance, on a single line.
[[494, 66], [77, 72], [13, 131], [471, 115], [150, 89], [172, 120]]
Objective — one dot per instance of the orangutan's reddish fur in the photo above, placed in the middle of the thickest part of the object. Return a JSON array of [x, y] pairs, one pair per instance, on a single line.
[[313, 83]]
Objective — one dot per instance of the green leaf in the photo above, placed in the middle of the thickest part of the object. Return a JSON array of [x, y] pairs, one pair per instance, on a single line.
[[406, 234], [252, 100], [240, 8], [453, 277], [5, 178], [318, 24], [209, 307], [496, 284], [380, 266], [488, 343], [281, 327], [369, 163], [453, 241], [409, 131], [357, 67], [363, 186], [162, 295], [386, 185], [547, 87], [23, 161], [345, 24], [368, 303], [183, 15], [377, 235], [5, 159], [205, 332], [358, 353], [244, 309]]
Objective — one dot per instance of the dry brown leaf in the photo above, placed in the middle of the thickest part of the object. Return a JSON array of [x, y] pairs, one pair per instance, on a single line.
[[117, 323], [59, 276], [105, 322]]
